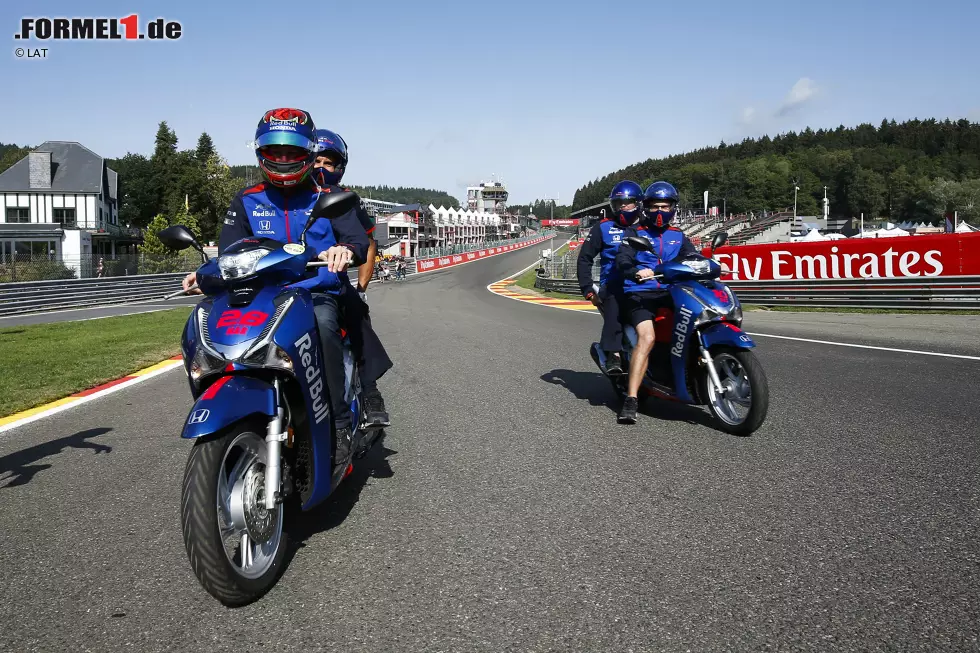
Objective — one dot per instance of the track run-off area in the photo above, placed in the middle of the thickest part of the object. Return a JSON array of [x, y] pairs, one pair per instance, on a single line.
[[507, 511]]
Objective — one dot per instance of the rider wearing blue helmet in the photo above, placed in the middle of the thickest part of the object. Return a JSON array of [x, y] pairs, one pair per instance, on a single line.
[[603, 241], [328, 169], [278, 208], [644, 295]]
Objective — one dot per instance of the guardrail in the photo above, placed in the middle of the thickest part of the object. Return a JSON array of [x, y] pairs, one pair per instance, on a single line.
[[913, 293], [945, 293], [37, 296], [569, 286]]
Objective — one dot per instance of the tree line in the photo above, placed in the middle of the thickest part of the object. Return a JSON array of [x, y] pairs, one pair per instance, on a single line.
[[914, 170], [195, 186], [399, 194], [541, 209]]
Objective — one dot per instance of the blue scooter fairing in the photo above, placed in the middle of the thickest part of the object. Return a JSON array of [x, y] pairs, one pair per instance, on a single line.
[[228, 400], [726, 333]]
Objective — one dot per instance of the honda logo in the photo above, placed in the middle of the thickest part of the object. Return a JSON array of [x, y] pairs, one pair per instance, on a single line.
[[265, 225], [199, 416]]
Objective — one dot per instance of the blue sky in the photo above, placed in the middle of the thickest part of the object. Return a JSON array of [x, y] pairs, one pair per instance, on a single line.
[[545, 95]]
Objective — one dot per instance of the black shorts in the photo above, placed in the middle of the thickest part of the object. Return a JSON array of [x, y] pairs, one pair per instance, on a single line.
[[640, 307]]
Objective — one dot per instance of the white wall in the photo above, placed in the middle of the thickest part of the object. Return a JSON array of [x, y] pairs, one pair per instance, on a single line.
[[76, 246], [43, 204]]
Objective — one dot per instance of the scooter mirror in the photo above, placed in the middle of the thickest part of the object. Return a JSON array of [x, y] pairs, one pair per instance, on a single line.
[[176, 237], [330, 205], [718, 240]]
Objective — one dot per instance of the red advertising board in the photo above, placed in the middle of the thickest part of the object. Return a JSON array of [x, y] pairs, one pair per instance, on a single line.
[[855, 258], [561, 222], [429, 264]]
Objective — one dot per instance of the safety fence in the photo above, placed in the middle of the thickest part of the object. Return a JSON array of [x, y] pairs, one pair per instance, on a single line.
[[913, 293], [435, 252], [901, 293], [39, 296], [441, 262], [47, 267]]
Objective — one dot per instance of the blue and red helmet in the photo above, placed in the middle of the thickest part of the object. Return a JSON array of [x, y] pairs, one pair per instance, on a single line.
[[285, 146], [659, 191], [328, 142], [623, 194]]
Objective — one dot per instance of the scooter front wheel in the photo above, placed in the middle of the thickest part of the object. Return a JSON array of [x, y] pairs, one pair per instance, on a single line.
[[742, 406], [235, 545]]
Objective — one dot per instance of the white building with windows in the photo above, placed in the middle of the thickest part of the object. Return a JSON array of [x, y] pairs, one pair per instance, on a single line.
[[465, 226], [60, 202]]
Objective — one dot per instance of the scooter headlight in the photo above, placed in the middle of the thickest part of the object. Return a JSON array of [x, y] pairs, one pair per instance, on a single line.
[[698, 266], [242, 264], [203, 364], [269, 355], [735, 314]]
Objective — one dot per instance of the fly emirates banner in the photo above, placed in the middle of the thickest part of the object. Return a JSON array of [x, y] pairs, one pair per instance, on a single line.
[[855, 258]]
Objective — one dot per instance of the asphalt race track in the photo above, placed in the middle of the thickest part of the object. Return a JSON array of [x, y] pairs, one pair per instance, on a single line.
[[507, 511]]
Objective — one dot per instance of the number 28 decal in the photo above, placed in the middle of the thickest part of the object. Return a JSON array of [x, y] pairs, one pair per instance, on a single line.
[[238, 323]]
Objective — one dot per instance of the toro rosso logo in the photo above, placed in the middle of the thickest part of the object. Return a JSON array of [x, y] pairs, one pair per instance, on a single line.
[[292, 117]]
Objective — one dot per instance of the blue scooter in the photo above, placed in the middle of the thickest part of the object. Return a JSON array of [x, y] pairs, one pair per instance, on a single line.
[[261, 423], [701, 355]]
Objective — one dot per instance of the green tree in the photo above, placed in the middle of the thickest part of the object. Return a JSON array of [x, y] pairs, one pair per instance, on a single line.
[[155, 258], [137, 199], [962, 197], [11, 154], [165, 168], [867, 193], [205, 148], [877, 170]]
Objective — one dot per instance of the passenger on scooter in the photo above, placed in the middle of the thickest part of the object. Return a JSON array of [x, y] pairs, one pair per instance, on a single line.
[[278, 208], [644, 295], [328, 169], [603, 241]]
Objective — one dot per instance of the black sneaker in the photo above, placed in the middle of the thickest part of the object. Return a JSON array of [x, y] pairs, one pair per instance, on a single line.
[[374, 410], [614, 363], [343, 452], [627, 414]]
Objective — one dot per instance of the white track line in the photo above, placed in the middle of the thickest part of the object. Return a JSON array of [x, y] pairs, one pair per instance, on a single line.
[[520, 272], [96, 395], [849, 344]]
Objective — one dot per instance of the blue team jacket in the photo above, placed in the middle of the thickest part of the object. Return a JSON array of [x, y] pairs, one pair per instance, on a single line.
[[668, 244], [603, 240], [266, 212]]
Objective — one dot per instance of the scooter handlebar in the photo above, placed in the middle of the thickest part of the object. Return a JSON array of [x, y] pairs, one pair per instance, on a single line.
[[180, 292]]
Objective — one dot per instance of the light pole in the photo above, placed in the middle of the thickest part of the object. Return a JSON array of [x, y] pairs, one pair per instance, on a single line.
[[551, 242], [796, 189], [826, 209]]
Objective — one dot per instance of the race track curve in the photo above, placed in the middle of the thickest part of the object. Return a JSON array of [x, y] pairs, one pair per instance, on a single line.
[[507, 511]]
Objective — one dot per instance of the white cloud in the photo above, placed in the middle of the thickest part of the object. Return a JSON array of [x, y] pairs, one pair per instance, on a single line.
[[802, 92], [747, 115]]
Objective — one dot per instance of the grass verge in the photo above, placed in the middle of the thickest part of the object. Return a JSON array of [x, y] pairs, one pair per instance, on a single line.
[[526, 281], [44, 362]]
